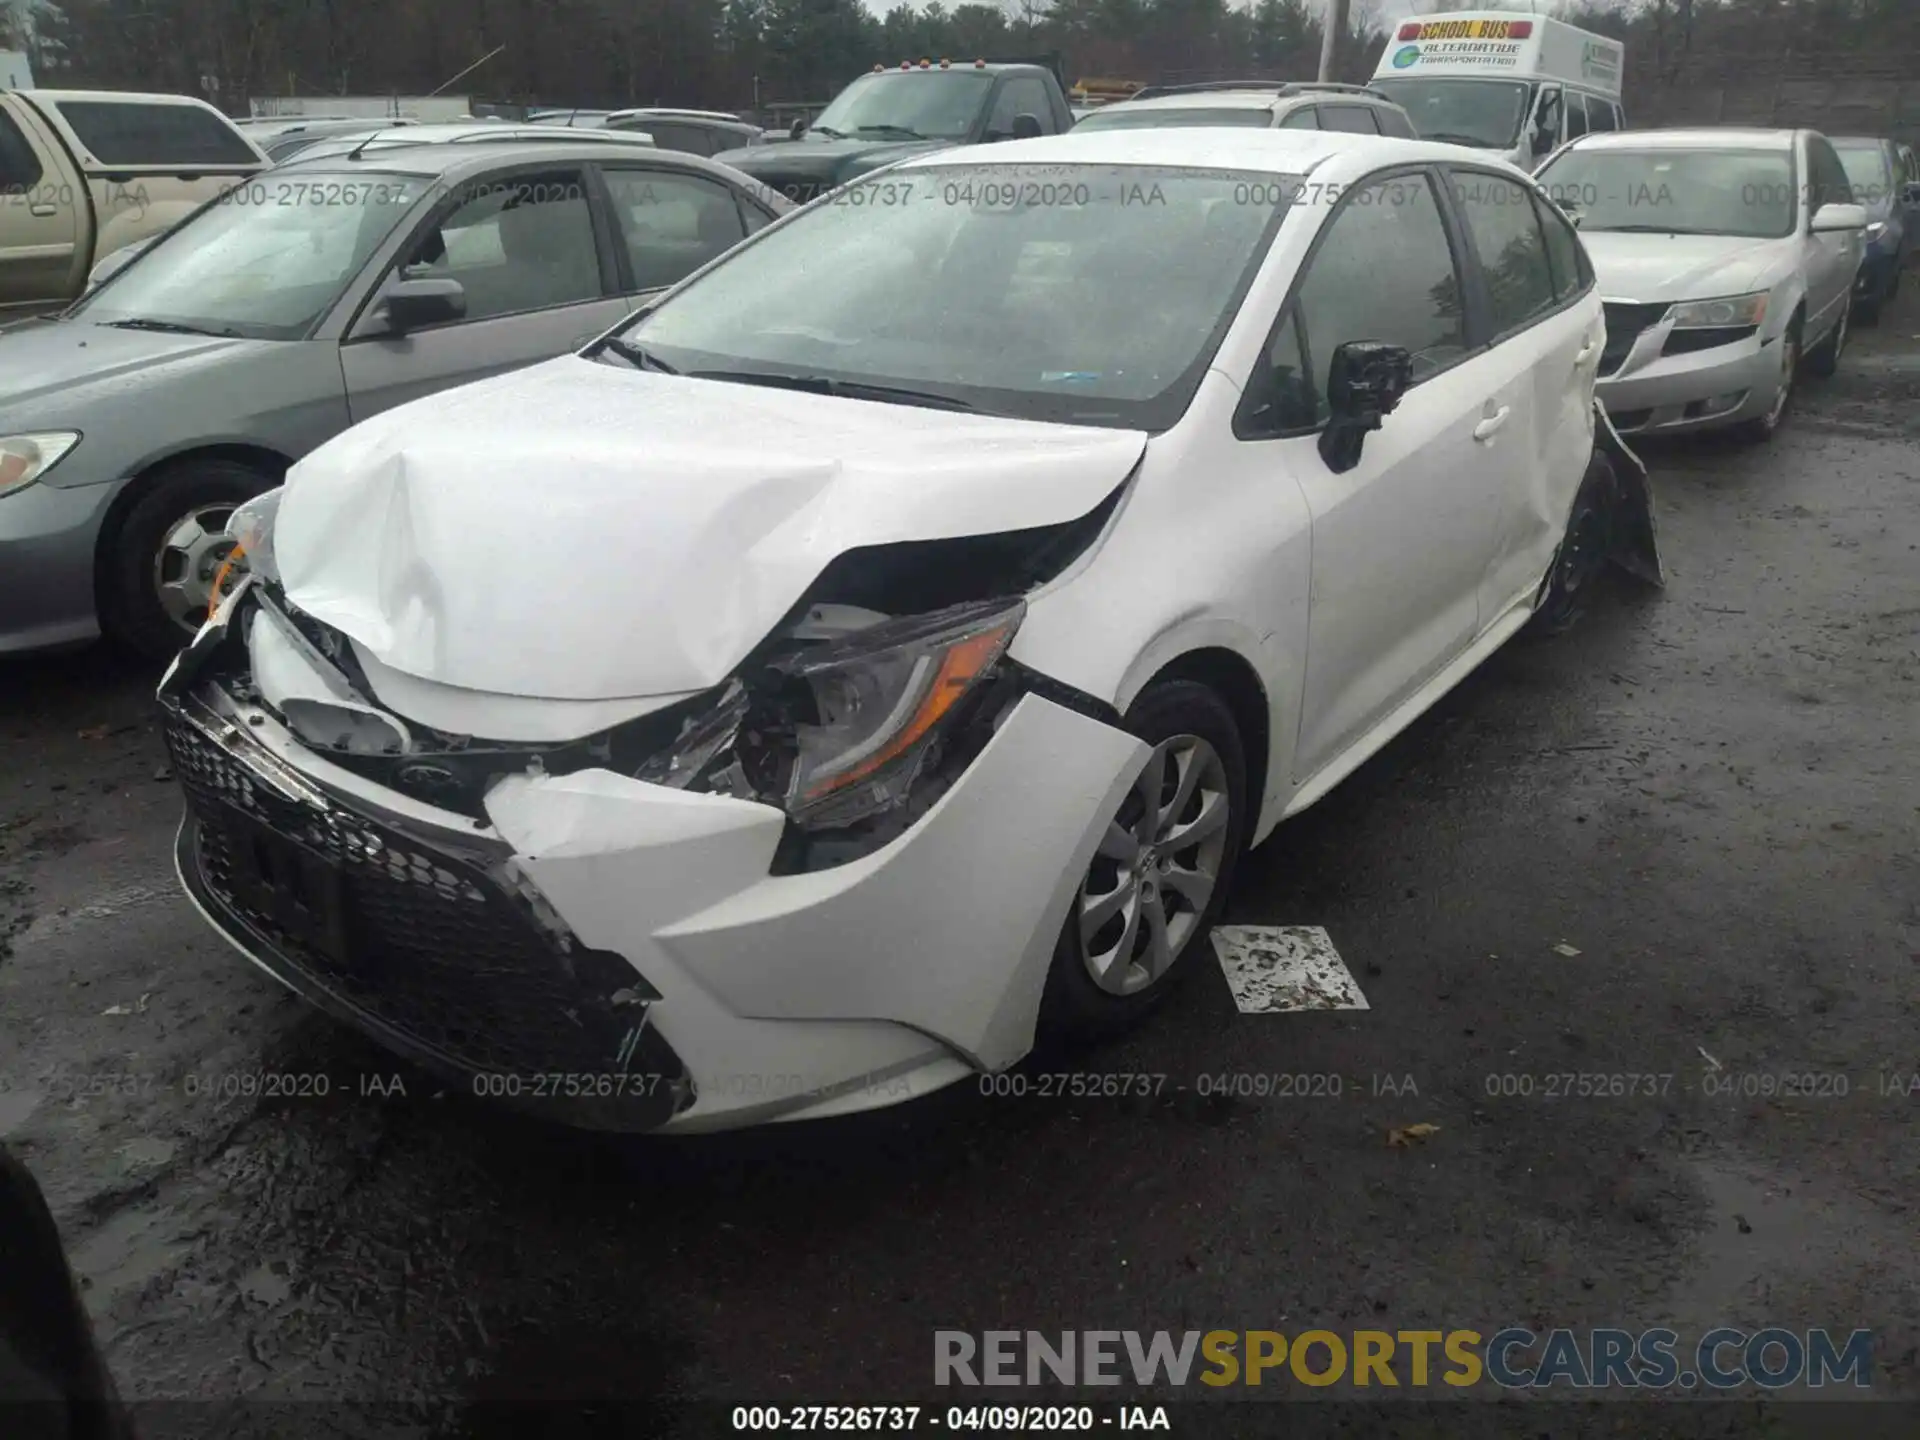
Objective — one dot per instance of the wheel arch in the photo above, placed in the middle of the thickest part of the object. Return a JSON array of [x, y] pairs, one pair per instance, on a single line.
[[1232, 677], [268, 461]]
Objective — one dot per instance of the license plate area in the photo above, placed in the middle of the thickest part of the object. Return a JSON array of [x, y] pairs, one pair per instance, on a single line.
[[300, 893]]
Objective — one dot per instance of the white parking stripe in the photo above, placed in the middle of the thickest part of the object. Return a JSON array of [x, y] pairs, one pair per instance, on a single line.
[[1276, 968]]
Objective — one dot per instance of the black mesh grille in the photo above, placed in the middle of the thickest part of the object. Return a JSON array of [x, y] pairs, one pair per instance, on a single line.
[[1624, 326], [405, 933], [1688, 342]]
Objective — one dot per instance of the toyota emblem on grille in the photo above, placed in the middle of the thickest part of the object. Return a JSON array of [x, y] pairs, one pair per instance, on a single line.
[[435, 779]]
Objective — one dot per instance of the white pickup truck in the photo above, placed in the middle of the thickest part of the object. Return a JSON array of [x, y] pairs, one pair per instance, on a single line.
[[85, 172]]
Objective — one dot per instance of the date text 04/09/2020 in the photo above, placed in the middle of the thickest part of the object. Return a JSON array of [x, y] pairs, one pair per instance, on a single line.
[[907, 1419]]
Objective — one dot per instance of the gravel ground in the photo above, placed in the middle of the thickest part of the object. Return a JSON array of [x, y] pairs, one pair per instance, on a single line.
[[1710, 795]]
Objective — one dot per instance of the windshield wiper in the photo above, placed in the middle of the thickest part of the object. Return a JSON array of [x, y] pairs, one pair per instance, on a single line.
[[170, 327], [1643, 230], [842, 389], [906, 131], [1451, 137], [900, 395], [827, 131], [637, 356]]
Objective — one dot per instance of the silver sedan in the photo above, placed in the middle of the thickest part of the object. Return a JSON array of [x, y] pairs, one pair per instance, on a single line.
[[298, 304], [1726, 259]]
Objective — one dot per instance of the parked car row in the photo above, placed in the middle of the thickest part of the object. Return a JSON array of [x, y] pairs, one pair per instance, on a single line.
[[1730, 260], [848, 505]]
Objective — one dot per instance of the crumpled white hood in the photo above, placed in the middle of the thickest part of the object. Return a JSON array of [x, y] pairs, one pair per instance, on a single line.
[[1650, 269], [583, 531]]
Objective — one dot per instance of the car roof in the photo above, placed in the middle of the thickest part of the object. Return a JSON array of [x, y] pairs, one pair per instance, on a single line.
[[453, 164], [478, 132], [1228, 147], [1201, 100], [1727, 137], [128, 97], [1883, 141], [668, 113]]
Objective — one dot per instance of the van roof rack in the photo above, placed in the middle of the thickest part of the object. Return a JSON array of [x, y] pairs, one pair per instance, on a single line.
[[1278, 87]]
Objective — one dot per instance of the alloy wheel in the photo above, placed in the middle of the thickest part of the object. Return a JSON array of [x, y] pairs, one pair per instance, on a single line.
[[187, 564], [1156, 868]]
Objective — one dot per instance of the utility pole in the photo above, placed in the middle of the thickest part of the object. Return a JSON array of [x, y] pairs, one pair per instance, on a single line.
[[1330, 27]]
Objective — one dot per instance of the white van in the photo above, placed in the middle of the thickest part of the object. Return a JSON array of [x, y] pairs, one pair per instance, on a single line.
[[1520, 85]]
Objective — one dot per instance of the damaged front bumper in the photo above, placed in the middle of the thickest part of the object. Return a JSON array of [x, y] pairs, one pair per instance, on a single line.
[[1634, 534], [617, 954]]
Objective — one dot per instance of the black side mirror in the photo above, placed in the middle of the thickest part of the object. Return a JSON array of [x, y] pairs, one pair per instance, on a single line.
[[416, 304], [1364, 386], [1025, 126], [797, 129]]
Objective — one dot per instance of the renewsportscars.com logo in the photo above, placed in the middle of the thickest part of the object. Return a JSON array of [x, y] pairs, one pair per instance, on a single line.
[[1513, 1358]]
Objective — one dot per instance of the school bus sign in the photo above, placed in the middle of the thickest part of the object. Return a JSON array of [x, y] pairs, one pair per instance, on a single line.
[[1466, 30]]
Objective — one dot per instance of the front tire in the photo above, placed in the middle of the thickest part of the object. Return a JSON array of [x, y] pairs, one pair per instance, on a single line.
[[1823, 360], [1763, 428], [160, 565], [1143, 909]]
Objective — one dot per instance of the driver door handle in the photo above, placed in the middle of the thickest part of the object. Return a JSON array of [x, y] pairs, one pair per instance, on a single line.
[[1587, 352], [1493, 424]]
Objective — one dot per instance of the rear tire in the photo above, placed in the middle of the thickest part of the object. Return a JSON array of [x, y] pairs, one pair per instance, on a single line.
[[1130, 904], [159, 565], [1583, 551]]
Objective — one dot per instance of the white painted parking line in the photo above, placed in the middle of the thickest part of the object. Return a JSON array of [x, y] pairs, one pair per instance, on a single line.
[[1277, 968]]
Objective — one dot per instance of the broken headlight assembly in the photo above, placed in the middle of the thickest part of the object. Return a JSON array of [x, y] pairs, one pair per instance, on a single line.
[[844, 717]]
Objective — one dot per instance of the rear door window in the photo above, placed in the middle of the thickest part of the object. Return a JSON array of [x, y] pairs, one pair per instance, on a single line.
[[132, 132], [1571, 272], [1352, 119], [1393, 122], [1602, 115], [672, 224]]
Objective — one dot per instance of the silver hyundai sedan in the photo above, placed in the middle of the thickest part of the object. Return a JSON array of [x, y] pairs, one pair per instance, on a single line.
[[1726, 259], [296, 305]]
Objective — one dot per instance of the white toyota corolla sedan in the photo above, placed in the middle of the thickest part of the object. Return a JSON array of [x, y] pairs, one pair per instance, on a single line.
[[879, 651]]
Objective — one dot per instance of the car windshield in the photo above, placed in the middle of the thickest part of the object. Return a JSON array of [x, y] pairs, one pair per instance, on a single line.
[[1087, 294], [932, 105], [1868, 172], [1167, 117], [1664, 191], [265, 261], [1483, 113]]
